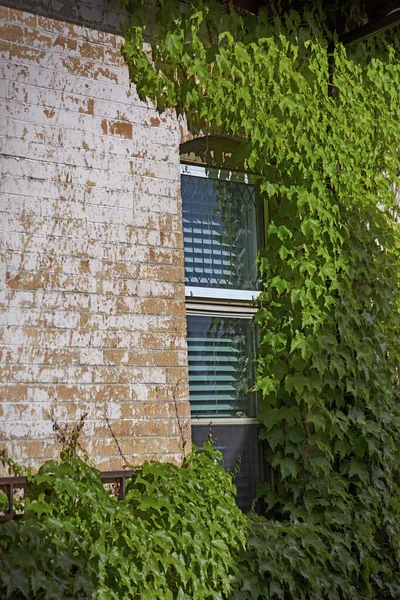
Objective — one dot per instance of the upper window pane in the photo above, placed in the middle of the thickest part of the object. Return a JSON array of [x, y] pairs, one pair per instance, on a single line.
[[220, 233]]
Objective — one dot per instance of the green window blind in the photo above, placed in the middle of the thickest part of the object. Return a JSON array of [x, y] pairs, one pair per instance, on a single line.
[[221, 366]]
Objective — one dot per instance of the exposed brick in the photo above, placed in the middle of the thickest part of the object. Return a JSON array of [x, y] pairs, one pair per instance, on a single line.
[[112, 56], [5, 49], [27, 54], [111, 74], [26, 18], [48, 24], [175, 445], [168, 359], [165, 273], [175, 392], [183, 409], [129, 357], [176, 375], [120, 128], [145, 445], [180, 324], [123, 428], [59, 356], [153, 306], [157, 410], [4, 12], [12, 33], [13, 392], [93, 51], [174, 307], [23, 449], [91, 263], [163, 341], [66, 43], [76, 66]]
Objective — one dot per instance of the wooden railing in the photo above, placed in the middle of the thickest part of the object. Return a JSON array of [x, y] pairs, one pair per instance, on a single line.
[[12, 483]]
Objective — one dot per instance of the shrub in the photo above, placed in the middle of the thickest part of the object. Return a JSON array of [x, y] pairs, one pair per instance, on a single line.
[[300, 561], [175, 535]]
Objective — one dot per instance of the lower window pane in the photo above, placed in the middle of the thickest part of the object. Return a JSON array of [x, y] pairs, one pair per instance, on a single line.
[[242, 453], [221, 366]]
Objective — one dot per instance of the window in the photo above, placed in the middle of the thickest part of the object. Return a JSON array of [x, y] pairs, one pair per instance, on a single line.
[[223, 229]]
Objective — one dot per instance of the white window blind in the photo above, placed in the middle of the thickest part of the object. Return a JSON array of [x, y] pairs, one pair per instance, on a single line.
[[220, 233], [220, 352]]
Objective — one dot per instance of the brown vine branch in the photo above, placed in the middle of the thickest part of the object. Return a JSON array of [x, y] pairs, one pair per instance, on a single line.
[[182, 427], [107, 420]]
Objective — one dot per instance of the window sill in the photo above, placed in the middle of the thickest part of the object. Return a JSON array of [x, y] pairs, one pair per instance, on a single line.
[[225, 421], [220, 294]]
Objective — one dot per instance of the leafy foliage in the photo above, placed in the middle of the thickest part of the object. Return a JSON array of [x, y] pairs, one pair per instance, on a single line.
[[321, 125], [175, 536]]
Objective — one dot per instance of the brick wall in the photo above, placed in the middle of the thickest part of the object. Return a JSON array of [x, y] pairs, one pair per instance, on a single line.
[[91, 261]]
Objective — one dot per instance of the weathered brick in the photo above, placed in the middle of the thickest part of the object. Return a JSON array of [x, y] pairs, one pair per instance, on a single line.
[[4, 13], [175, 445], [25, 18], [57, 356], [13, 392], [91, 264], [66, 43], [176, 375], [129, 357], [169, 358], [135, 410], [5, 50], [27, 54], [123, 428], [157, 410], [165, 273], [12, 33], [92, 51], [120, 128], [163, 341], [175, 392], [147, 444]]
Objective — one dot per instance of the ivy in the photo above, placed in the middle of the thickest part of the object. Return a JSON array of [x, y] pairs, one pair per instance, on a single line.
[[321, 125], [175, 536]]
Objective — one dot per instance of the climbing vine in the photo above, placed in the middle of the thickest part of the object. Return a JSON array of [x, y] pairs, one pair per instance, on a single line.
[[320, 127]]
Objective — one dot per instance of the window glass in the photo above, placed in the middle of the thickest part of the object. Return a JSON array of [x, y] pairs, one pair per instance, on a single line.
[[221, 366], [223, 229], [220, 233], [242, 454]]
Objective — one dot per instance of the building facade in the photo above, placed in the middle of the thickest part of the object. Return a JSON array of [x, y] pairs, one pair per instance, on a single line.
[[128, 270], [92, 269]]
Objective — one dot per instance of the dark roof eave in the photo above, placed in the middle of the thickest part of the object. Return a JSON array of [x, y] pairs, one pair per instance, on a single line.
[[373, 28]]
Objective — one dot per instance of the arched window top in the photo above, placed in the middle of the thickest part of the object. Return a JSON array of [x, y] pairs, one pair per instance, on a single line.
[[220, 151]]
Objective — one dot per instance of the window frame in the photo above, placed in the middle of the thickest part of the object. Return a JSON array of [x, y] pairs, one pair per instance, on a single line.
[[230, 303]]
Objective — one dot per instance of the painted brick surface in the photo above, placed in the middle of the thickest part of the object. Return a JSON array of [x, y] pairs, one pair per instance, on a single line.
[[92, 313]]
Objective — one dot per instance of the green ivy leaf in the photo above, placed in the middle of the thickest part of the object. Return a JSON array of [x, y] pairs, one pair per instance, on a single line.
[[274, 437], [288, 467], [318, 419], [359, 469]]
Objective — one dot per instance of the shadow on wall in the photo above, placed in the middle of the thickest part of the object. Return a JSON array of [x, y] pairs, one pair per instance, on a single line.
[[95, 14]]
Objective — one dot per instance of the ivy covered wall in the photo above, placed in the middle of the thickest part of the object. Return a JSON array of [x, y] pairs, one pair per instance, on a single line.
[[321, 125]]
